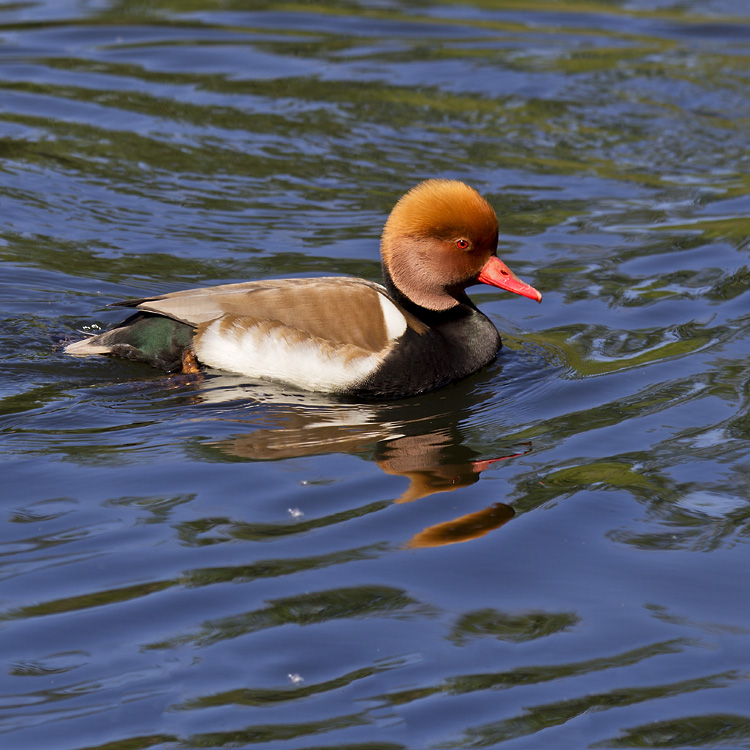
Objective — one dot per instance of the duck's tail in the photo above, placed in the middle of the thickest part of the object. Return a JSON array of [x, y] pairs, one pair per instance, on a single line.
[[144, 337]]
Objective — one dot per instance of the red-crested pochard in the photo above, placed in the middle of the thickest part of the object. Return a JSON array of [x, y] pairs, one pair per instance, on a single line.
[[343, 335]]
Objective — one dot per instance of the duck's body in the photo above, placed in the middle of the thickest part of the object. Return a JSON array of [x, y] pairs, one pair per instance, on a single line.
[[343, 335]]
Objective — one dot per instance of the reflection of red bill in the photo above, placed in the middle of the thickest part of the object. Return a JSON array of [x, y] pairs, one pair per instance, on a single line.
[[482, 464], [496, 273]]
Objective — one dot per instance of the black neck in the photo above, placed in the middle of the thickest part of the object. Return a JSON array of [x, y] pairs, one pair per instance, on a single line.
[[430, 317]]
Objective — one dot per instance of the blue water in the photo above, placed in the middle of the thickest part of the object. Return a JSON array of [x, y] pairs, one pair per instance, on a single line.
[[550, 554]]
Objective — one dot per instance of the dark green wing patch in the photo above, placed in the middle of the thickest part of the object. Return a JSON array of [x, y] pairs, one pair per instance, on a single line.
[[150, 338]]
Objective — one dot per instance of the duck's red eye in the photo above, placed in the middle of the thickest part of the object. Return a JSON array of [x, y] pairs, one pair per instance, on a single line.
[[462, 244]]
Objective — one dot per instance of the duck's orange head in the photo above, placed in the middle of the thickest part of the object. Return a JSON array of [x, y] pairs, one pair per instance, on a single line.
[[440, 238]]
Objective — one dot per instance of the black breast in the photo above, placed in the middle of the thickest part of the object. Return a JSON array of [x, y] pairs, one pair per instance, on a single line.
[[457, 343]]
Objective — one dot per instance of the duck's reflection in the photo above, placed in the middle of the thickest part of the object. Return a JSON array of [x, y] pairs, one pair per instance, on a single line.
[[418, 441], [464, 528]]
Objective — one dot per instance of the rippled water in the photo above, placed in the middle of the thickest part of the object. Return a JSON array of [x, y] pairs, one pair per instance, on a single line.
[[551, 554]]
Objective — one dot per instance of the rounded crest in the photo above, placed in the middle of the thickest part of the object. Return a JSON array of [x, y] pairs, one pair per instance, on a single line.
[[443, 209]]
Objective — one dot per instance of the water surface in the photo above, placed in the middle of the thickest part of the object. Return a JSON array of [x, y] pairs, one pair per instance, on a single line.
[[550, 554]]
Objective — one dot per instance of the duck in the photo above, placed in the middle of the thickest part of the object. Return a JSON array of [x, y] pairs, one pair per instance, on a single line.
[[351, 337]]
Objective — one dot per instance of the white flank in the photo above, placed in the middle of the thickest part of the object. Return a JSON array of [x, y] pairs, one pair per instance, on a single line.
[[395, 322], [309, 364]]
